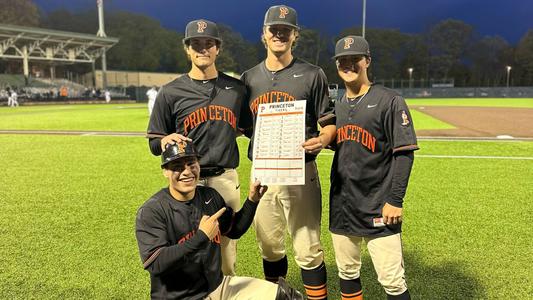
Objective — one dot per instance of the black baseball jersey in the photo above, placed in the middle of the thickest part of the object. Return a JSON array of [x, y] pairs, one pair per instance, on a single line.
[[300, 80], [210, 118], [369, 130], [182, 261]]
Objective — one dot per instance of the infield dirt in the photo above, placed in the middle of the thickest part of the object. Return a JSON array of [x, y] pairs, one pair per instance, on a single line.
[[480, 121]]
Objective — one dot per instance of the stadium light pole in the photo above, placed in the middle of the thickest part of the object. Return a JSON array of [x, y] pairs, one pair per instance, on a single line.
[[508, 74], [364, 18], [410, 70], [101, 33]]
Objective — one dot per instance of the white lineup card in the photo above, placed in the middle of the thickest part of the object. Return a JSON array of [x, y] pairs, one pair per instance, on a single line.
[[278, 156]]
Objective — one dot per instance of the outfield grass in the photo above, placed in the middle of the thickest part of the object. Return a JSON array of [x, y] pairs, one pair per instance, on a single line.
[[424, 121], [69, 204], [110, 117], [481, 102]]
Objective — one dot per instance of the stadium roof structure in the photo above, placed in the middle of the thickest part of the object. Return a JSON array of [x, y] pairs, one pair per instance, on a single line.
[[38, 44]]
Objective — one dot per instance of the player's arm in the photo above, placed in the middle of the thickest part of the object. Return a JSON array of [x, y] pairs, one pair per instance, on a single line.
[[244, 217], [400, 132], [324, 109], [160, 124], [157, 255], [161, 130], [402, 164], [246, 118]]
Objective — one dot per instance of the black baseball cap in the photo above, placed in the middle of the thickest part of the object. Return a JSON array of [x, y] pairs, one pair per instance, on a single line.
[[177, 151], [282, 15], [201, 28], [351, 45]]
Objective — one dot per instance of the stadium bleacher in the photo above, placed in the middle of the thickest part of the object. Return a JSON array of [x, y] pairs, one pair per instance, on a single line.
[[46, 89]]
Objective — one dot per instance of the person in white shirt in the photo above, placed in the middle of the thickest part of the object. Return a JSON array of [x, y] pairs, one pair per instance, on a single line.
[[13, 98], [107, 95], [151, 94]]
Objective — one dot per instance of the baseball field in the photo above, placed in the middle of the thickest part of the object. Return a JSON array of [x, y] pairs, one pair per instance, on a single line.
[[72, 178]]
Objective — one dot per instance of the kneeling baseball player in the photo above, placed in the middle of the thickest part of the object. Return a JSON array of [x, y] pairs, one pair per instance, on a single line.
[[178, 232]]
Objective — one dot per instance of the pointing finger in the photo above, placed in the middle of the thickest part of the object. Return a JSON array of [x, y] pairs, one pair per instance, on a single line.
[[218, 213]]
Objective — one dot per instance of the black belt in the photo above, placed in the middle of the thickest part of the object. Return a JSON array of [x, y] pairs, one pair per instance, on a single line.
[[211, 171]]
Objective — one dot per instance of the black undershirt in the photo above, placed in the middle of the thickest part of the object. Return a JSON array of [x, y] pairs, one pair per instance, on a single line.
[[402, 163]]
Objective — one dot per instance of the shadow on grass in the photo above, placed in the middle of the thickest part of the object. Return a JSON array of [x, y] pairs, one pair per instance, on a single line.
[[445, 281]]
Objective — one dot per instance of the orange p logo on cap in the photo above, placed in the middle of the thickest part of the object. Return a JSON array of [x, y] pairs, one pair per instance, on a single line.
[[201, 26], [181, 147], [348, 42], [283, 11]]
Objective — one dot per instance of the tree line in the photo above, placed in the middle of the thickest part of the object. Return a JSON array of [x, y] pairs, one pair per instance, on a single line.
[[449, 49]]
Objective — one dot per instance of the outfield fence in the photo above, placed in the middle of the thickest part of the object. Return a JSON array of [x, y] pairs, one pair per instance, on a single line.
[[454, 92]]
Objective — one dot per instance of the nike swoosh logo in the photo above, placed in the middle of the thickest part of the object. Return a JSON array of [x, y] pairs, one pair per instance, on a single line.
[[371, 106], [297, 75], [237, 187], [228, 87], [205, 81], [208, 201]]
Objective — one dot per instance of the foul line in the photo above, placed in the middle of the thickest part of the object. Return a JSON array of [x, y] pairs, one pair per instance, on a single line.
[[475, 157], [143, 134], [458, 156], [69, 132]]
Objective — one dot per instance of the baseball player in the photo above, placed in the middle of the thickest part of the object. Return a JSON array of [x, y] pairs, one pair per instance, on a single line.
[[370, 171], [9, 99], [279, 78], [204, 105], [14, 98], [151, 94], [178, 232]]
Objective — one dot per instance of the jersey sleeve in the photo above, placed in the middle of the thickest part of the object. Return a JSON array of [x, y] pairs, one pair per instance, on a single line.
[[157, 255], [160, 123], [231, 224], [246, 120], [226, 220], [242, 219], [399, 125], [245, 116], [324, 109]]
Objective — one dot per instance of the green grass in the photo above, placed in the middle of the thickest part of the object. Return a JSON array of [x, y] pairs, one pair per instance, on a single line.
[[424, 121], [110, 117], [115, 117], [69, 204], [481, 102]]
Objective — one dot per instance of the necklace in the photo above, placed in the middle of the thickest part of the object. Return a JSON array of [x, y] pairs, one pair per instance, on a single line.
[[350, 100]]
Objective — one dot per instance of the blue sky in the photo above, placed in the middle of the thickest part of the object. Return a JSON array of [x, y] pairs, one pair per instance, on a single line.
[[510, 19]]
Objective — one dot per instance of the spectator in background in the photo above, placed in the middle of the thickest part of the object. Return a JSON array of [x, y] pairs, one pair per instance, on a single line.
[[63, 92], [107, 96], [14, 98], [9, 99], [151, 94]]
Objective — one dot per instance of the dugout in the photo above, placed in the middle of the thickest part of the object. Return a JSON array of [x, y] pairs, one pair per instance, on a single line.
[[54, 47]]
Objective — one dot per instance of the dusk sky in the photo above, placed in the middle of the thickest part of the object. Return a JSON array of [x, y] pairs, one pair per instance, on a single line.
[[510, 19]]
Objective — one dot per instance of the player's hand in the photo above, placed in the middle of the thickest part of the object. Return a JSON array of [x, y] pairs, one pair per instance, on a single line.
[[391, 214], [257, 191], [313, 145], [172, 139], [209, 224]]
